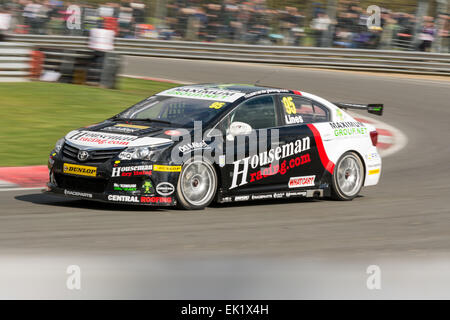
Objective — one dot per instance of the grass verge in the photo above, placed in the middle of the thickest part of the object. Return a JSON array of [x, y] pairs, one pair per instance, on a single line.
[[36, 114]]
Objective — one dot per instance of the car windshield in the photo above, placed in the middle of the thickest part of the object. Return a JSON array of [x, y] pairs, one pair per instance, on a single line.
[[174, 110]]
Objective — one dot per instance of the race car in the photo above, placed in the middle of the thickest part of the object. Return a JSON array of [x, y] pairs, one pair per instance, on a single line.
[[191, 145]]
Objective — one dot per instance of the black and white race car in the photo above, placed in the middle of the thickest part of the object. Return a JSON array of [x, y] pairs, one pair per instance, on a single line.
[[191, 145]]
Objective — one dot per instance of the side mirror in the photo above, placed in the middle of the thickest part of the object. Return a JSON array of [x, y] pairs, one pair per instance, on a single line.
[[239, 128]]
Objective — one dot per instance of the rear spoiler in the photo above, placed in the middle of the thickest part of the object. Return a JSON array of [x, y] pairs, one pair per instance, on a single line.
[[374, 108]]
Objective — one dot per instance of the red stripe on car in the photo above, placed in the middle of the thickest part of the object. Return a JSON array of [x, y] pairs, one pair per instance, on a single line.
[[327, 163]]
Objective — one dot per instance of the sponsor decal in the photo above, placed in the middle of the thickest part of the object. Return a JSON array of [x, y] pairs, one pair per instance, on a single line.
[[203, 93], [278, 195], [298, 182], [296, 194], [339, 114], [346, 124], [193, 146], [165, 188], [275, 195], [78, 194], [350, 132], [348, 128], [125, 187], [163, 168], [125, 125], [266, 158], [156, 200], [267, 91], [372, 156], [80, 170], [102, 138], [262, 196], [290, 119], [227, 199], [281, 169], [241, 198], [123, 198], [132, 171], [147, 187], [374, 171], [125, 128]]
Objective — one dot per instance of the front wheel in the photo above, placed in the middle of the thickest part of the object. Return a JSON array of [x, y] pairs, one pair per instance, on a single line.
[[197, 184], [348, 177]]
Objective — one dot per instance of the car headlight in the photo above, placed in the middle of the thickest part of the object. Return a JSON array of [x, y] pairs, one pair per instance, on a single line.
[[59, 144], [142, 153]]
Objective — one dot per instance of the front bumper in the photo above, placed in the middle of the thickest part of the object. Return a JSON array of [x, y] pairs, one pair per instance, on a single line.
[[126, 182]]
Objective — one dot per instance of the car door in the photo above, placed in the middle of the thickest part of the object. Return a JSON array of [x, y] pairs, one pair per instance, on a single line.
[[246, 166], [301, 165]]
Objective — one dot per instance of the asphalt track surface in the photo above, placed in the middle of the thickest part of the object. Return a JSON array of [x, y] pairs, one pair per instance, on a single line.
[[407, 216]]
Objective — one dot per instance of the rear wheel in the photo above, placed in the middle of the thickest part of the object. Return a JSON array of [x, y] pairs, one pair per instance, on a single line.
[[197, 184], [348, 177]]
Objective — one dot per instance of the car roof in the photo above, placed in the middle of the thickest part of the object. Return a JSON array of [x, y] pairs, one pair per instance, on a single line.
[[244, 88]]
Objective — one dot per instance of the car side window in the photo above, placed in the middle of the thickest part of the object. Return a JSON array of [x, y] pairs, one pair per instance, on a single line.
[[320, 113], [258, 112], [298, 110]]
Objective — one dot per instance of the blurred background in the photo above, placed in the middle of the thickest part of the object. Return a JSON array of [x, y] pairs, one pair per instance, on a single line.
[[65, 65], [421, 25]]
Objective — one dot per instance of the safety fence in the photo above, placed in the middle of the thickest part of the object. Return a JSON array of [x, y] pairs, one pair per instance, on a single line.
[[57, 47], [15, 61]]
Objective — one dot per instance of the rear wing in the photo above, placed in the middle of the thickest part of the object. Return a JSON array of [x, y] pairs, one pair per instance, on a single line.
[[374, 108]]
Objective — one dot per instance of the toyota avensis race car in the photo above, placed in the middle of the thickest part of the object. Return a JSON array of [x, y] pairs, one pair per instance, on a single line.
[[191, 145]]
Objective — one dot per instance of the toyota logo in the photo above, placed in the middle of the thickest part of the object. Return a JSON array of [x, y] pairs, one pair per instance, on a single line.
[[83, 155]]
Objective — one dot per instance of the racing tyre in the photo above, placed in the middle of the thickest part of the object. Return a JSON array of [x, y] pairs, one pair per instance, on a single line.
[[197, 184], [348, 177]]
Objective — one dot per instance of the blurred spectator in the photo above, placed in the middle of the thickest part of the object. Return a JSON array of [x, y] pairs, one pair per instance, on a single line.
[[214, 25], [446, 34], [443, 33], [91, 19], [320, 26], [236, 21], [138, 12], [387, 32], [5, 22], [291, 26], [101, 41], [427, 34], [125, 20]]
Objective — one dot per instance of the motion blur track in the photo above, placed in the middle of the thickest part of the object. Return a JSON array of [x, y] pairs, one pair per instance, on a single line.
[[407, 214]]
